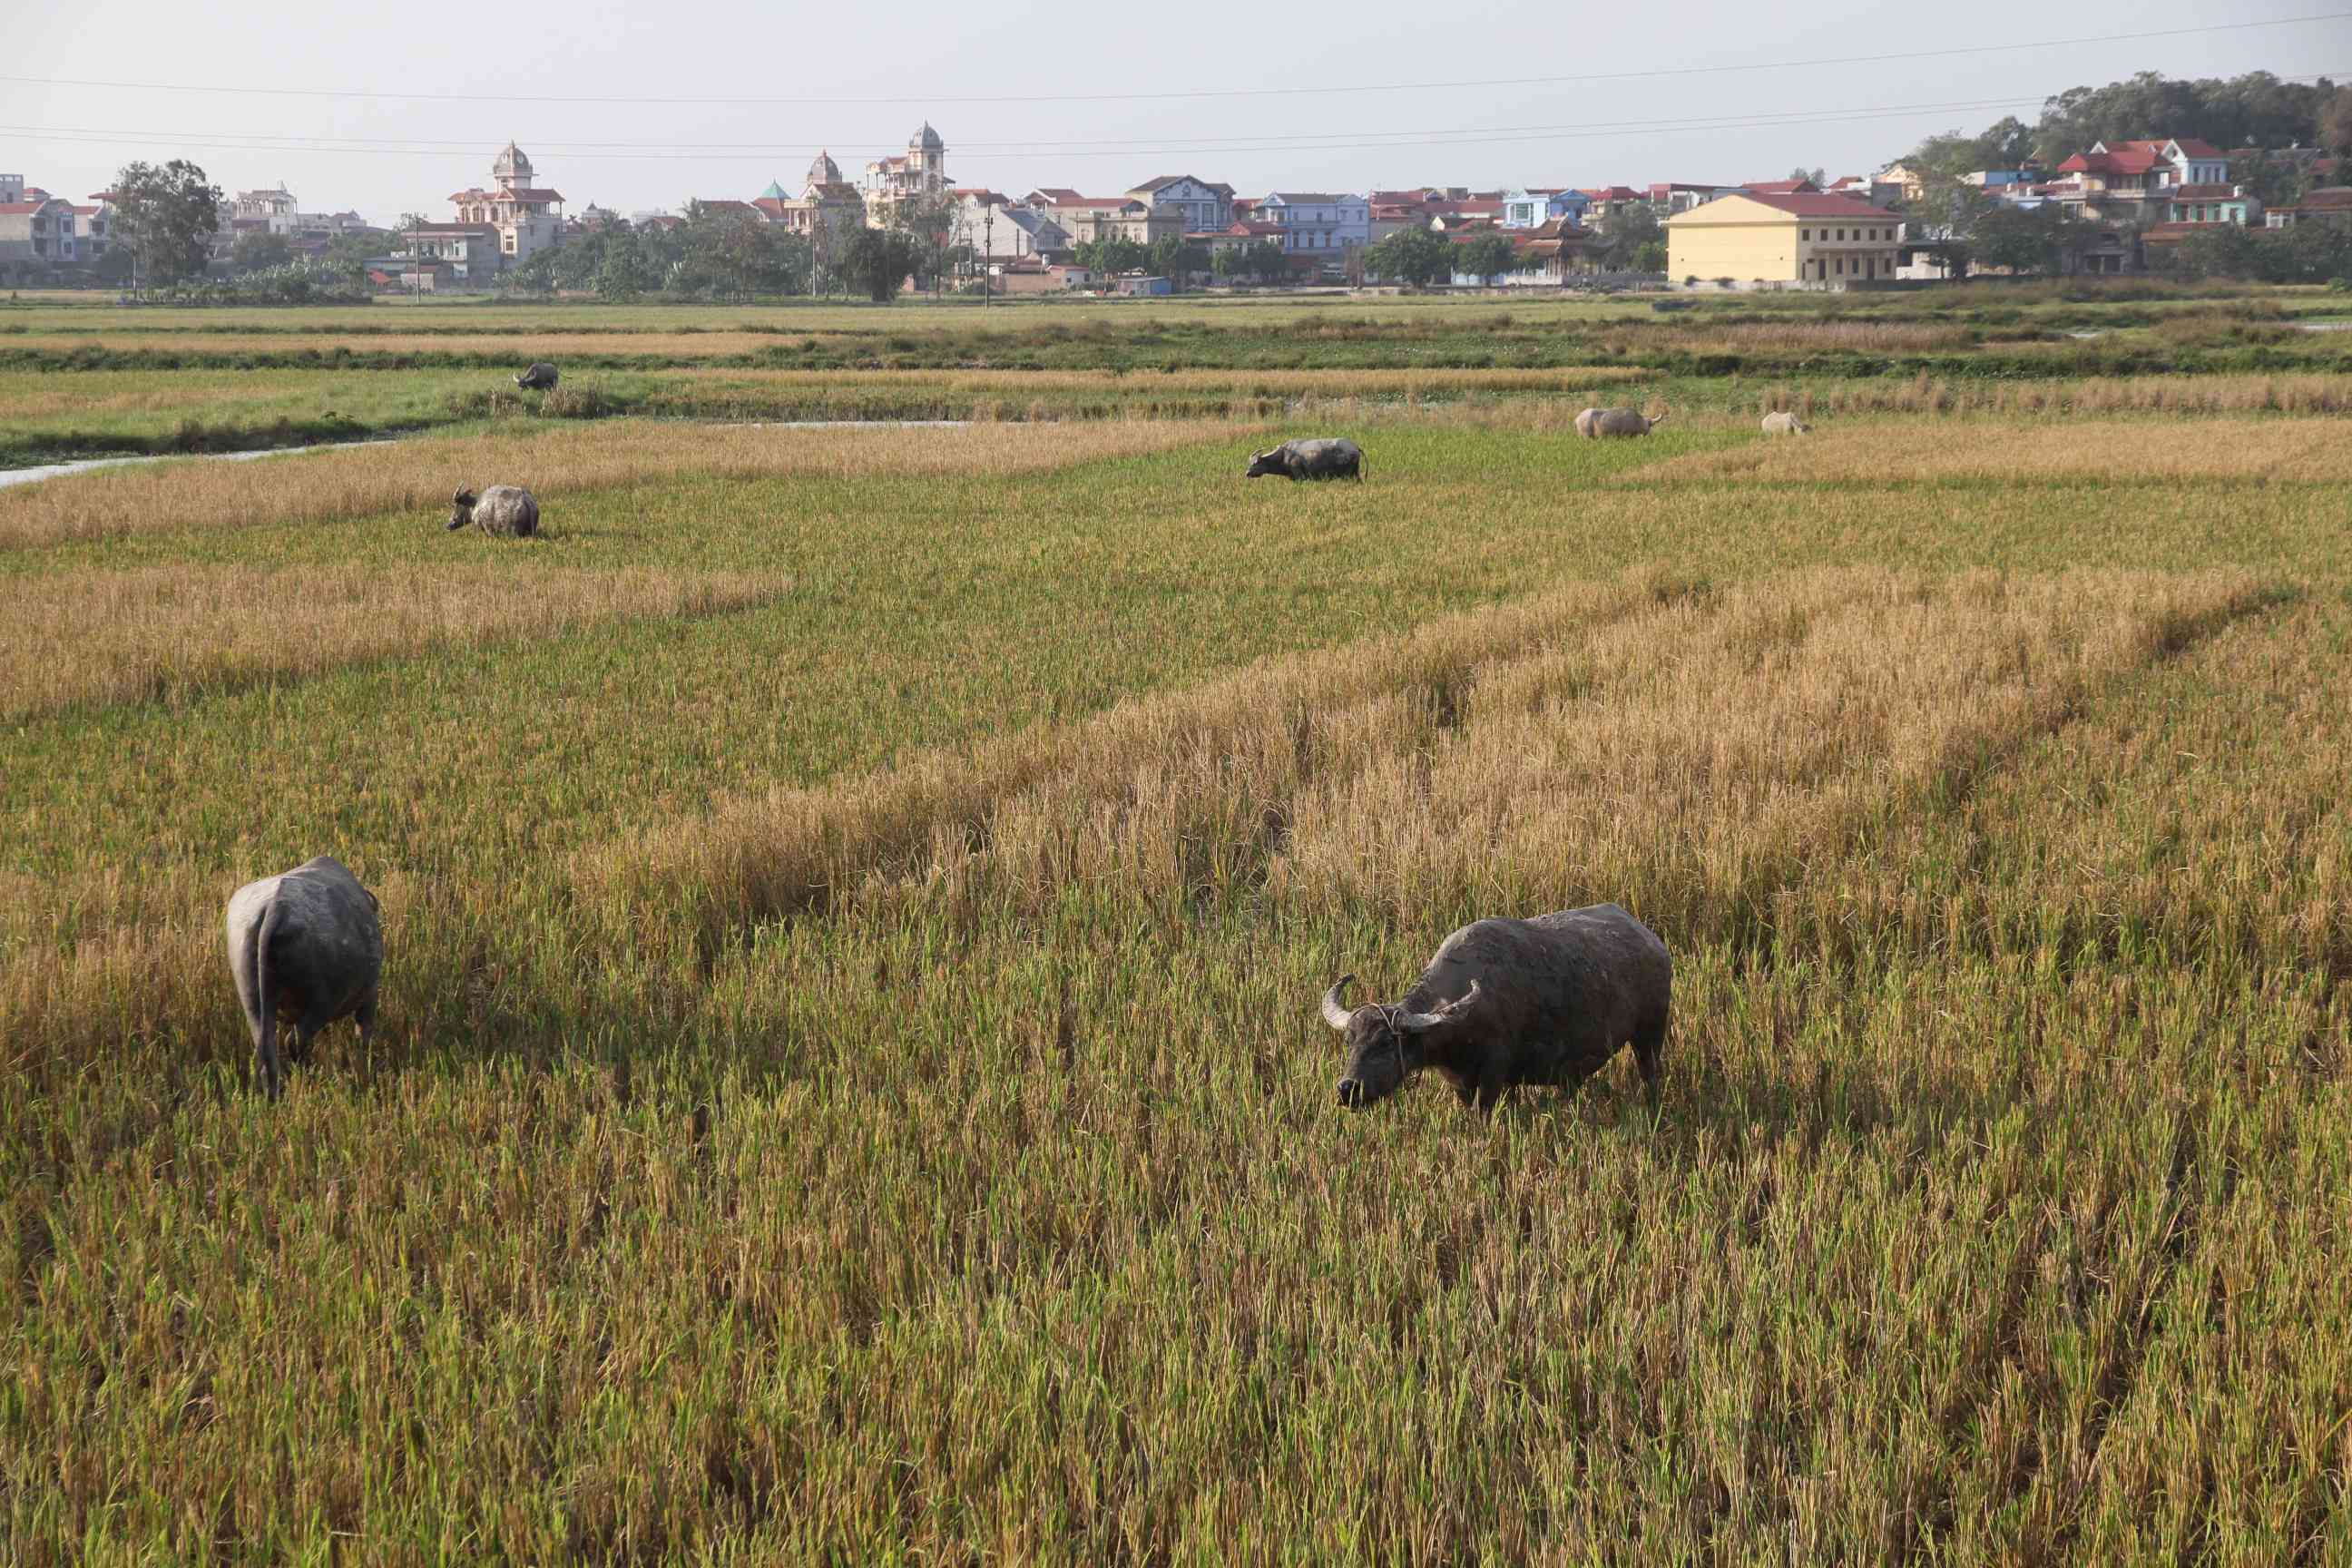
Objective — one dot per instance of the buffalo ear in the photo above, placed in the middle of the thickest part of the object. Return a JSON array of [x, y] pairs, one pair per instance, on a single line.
[[463, 498]]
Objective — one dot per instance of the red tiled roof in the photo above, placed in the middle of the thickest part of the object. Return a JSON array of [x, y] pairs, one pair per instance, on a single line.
[[2196, 149], [2134, 160], [726, 204], [1782, 188], [20, 209], [1628, 194], [1816, 205], [2203, 192]]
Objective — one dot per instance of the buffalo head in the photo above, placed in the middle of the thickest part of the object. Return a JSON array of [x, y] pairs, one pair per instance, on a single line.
[[1264, 463], [462, 513], [1386, 1045]]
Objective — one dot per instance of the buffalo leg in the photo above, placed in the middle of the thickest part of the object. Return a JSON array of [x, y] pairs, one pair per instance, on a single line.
[[273, 1067], [1647, 1044]]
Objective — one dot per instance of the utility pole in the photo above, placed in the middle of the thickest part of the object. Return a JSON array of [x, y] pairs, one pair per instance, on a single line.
[[988, 256]]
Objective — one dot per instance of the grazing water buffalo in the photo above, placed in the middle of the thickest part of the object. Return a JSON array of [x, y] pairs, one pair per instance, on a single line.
[[1506, 1002], [1595, 423], [1325, 458], [1784, 424], [539, 377], [502, 510], [305, 943]]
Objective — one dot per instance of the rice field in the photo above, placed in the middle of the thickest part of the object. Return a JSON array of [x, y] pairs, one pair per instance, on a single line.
[[849, 1084]]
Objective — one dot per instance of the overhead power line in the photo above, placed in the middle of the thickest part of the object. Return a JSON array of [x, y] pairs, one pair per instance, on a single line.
[[508, 96], [265, 140], [1315, 142]]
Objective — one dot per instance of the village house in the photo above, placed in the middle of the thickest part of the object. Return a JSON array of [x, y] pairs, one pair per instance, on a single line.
[[1316, 224], [2131, 182], [1198, 205], [450, 256], [39, 231], [260, 212], [826, 212], [998, 229], [1774, 241], [525, 219], [1533, 206], [919, 175]]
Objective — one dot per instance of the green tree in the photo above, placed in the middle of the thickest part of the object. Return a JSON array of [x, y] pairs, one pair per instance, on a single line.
[[1650, 257], [1415, 257], [1113, 255], [1488, 257], [623, 272], [877, 260], [258, 252], [1176, 258], [1817, 176], [2332, 126], [167, 217]]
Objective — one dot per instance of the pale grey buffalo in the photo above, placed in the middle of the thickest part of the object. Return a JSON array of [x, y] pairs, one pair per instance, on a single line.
[[305, 944], [1784, 424], [506, 511], [1595, 423], [539, 377], [1321, 458], [1507, 1002]]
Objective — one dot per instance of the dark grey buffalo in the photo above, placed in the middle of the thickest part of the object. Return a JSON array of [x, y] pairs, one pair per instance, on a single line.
[[305, 944], [505, 511], [539, 377], [1324, 458], [1506, 1002]]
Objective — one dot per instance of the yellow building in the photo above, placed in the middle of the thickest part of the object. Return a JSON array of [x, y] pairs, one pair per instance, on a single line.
[[1774, 240]]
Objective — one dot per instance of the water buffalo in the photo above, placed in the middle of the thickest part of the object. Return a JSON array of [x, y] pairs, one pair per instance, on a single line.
[[1784, 424], [1506, 1002], [305, 943], [1324, 458], [501, 509], [539, 377], [1596, 423]]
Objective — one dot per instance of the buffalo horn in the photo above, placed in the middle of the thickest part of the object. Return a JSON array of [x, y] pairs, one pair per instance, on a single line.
[[1333, 1014], [1416, 1023]]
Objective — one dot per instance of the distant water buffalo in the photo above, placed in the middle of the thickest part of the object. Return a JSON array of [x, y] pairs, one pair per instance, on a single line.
[[539, 377], [1784, 424], [306, 944], [1595, 423], [506, 511], [1323, 458], [1508, 1002]]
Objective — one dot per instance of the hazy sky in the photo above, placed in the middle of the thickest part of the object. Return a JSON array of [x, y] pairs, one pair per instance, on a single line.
[[1068, 95]]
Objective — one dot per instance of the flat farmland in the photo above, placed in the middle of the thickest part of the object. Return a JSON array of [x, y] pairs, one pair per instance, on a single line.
[[850, 1084]]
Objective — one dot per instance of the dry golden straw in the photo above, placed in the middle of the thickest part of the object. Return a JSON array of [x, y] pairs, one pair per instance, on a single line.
[[360, 482], [153, 632]]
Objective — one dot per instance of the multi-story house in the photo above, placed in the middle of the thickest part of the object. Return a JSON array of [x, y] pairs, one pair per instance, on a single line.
[[39, 230], [2131, 181], [828, 209], [94, 226], [1316, 224], [526, 218], [461, 255], [1200, 205], [2196, 209], [1534, 206], [919, 175], [998, 229], [260, 212]]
